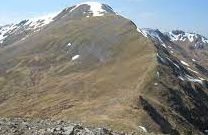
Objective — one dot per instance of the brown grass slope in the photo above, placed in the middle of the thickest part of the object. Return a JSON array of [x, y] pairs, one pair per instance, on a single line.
[[39, 79]]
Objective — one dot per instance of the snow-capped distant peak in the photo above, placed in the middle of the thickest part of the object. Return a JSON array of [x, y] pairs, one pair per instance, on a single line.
[[178, 35], [96, 8]]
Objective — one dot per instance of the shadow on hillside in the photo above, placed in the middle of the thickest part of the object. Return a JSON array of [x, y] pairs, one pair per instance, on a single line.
[[199, 112], [158, 118], [195, 97]]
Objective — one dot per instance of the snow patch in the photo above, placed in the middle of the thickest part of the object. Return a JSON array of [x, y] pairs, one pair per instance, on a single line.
[[31, 24], [163, 45], [184, 63], [39, 22], [143, 128], [158, 74], [193, 60], [194, 79], [161, 58], [155, 34], [95, 7], [192, 70], [181, 78], [75, 57], [142, 32], [4, 30], [191, 79], [182, 36], [204, 40], [170, 47], [190, 37], [69, 44]]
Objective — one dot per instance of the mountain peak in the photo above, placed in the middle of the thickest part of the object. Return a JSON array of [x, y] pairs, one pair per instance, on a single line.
[[99, 9], [179, 35], [87, 9], [96, 8]]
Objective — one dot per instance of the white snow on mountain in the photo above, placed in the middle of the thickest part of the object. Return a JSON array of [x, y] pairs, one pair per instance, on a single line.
[[4, 30], [154, 34], [160, 38], [182, 36], [193, 60], [69, 44], [184, 63], [39, 22], [175, 35], [143, 128], [178, 35], [75, 57], [96, 8], [32, 24], [192, 70], [35, 24], [144, 33], [204, 40]]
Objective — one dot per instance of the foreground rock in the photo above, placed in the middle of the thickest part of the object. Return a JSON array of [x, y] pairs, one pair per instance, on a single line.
[[19, 126]]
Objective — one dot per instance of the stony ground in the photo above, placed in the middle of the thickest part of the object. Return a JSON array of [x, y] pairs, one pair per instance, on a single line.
[[18, 126]]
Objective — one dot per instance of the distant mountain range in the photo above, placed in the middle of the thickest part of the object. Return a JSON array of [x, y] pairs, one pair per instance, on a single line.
[[91, 65]]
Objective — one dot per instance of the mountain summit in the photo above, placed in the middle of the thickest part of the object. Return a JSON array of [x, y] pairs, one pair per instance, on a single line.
[[88, 9]]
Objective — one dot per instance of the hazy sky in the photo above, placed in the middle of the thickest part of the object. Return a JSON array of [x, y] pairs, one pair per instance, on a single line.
[[188, 15]]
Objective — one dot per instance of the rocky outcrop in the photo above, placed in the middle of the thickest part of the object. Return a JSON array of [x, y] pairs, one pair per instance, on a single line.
[[19, 126]]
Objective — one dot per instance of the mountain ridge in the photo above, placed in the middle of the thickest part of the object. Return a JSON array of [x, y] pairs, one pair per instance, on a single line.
[[26, 27], [93, 9]]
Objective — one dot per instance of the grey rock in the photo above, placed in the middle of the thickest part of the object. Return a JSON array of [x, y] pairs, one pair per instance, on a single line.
[[18, 126]]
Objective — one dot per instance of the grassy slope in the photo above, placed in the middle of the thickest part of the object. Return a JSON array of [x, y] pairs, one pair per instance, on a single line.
[[42, 81]]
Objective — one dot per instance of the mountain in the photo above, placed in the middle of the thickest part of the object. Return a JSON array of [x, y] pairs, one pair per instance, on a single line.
[[88, 64], [183, 71], [190, 46], [75, 68], [87, 9], [181, 36], [15, 32]]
